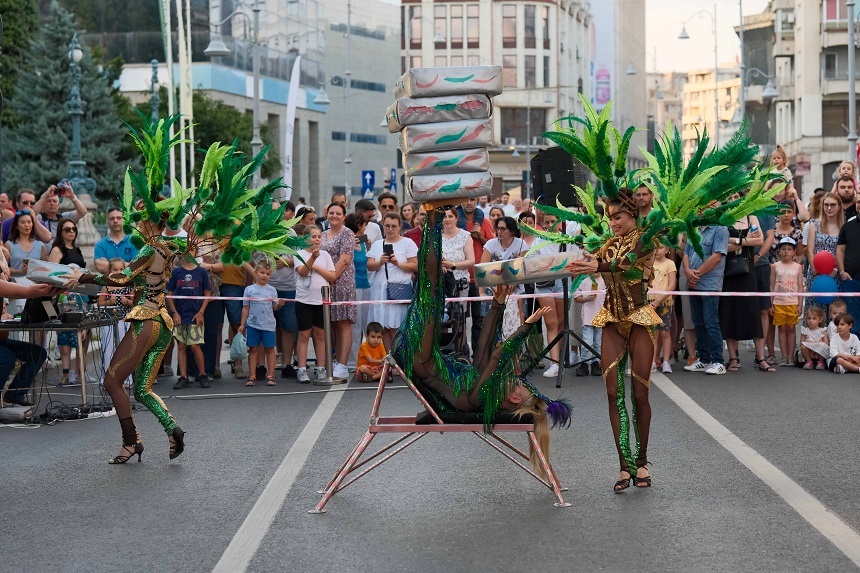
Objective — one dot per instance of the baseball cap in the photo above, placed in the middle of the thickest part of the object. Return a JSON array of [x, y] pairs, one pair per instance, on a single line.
[[788, 241]]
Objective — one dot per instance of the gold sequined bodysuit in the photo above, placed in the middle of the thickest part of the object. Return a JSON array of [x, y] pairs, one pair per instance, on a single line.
[[626, 282]]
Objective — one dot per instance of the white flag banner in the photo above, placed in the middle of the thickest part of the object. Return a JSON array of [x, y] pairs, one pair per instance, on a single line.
[[292, 99]]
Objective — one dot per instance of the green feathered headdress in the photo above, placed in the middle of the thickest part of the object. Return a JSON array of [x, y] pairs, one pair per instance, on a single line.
[[686, 195]]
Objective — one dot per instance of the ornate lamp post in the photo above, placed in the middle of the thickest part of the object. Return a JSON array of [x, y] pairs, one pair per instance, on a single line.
[[154, 100], [77, 174]]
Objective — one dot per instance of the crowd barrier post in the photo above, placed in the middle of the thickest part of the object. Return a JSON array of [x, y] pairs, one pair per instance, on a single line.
[[329, 380]]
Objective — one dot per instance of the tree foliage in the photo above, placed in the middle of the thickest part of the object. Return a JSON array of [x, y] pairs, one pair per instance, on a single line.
[[20, 21], [37, 148]]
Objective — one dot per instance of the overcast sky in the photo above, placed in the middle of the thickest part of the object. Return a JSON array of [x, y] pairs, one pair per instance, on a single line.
[[665, 17]]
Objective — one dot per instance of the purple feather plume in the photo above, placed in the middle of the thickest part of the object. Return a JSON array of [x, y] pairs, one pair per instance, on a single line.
[[559, 411]]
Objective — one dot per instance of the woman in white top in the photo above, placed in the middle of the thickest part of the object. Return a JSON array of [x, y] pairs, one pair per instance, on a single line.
[[458, 251], [507, 245], [317, 272], [396, 259]]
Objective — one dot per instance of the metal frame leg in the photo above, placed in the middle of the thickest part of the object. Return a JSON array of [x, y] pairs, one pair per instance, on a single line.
[[556, 488], [351, 460]]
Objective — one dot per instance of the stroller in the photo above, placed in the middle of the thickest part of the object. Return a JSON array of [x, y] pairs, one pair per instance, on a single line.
[[453, 337]]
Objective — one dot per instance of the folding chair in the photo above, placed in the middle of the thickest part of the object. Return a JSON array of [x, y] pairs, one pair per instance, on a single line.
[[416, 427]]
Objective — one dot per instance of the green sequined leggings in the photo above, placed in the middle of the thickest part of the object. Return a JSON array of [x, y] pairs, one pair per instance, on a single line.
[[141, 350]]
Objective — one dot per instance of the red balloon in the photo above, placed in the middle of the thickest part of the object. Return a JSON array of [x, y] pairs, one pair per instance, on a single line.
[[824, 263]]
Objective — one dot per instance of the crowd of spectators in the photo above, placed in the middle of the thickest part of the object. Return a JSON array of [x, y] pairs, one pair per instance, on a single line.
[[368, 253]]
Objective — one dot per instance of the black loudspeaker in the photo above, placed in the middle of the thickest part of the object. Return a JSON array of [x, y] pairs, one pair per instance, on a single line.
[[554, 173]]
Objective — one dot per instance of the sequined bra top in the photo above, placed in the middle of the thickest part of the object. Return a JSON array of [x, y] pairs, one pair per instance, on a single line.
[[626, 267], [148, 274]]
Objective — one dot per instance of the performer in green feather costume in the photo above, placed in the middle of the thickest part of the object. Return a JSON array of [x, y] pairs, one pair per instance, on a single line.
[[221, 213], [622, 244]]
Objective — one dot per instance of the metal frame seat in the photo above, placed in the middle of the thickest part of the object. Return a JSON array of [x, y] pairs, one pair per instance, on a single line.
[[414, 428]]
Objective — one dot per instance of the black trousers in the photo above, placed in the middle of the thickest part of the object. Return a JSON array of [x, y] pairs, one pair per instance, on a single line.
[[477, 319]]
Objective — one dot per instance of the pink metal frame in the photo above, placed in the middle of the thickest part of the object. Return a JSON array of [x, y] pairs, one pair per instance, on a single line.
[[414, 432]]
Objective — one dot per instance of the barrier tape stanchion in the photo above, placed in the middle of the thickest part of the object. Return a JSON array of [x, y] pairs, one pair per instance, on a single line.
[[329, 380]]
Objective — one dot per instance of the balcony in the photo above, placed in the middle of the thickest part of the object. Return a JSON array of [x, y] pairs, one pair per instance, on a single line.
[[835, 83], [783, 45], [834, 33]]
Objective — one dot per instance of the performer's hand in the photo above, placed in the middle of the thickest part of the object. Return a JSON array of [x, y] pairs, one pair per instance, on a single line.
[[586, 266], [40, 290], [436, 204], [538, 314], [502, 292], [73, 278]]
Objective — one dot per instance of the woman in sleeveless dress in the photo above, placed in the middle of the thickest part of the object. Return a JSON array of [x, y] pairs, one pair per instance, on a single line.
[[339, 242]]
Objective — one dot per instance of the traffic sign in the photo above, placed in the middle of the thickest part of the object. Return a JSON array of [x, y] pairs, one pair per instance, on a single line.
[[393, 180], [368, 178]]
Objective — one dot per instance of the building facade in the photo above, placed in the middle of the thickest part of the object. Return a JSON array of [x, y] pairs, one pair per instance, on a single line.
[[543, 48], [810, 61], [705, 109], [666, 100]]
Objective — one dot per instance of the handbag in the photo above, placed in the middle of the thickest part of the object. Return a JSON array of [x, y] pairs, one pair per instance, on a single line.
[[397, 291], [737, 265]]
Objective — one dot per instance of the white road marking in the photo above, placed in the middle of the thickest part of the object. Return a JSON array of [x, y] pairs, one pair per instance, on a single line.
[[816, 513], [247, 540]]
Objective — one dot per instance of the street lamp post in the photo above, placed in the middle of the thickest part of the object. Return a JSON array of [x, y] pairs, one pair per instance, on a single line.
[[685, 36], [154, 100], [77, 174], [852, 87], [217, 48]]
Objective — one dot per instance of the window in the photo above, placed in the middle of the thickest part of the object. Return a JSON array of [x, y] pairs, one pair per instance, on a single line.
[[359, 137], [369, 86], [579, 85], [440, 25], [530, 71], [472, 60], [440, 61], [416, 62], [509, 71], [515, 123], [544, 24], [529, 22], [457, 61], [473, 29], [546, 73], [415, 26], [456, 27], [829, 66], [509, 26], [834, 118], [835, 10]]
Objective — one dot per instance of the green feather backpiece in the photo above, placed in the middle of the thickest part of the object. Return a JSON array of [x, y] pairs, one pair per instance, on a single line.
[[226, 214]]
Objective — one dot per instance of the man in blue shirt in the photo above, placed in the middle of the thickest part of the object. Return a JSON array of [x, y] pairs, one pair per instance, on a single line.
[[706, 274], [117, 245]]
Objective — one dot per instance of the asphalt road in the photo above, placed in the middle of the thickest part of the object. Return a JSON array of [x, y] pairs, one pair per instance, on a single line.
[[449, 503]]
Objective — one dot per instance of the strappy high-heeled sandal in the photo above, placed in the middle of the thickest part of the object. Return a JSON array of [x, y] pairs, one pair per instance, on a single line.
[[622, 484], [131, 450], [764, 365], [644, 481], [178, 444]]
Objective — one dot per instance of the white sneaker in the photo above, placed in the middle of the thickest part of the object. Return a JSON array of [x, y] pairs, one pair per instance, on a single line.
[[320, 373], [697, 366], [653, 367], [551, 372], [716, 368], [340, 371], [667, 368], [839, 369], [302, 375]]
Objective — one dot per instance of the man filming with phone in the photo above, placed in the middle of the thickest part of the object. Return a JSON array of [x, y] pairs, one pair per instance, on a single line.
[[48, 206]]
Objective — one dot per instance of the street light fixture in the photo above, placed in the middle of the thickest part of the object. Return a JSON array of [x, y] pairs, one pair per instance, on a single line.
[[77, 174], [768, 94], [685, 36], [217, 48]]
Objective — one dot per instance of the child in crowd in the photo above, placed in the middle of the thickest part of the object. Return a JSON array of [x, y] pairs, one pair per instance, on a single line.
[[188, 279], [258, 322], [844, 347], [317, 272], [845, 168], [121, 299], [836, 308], [370, 354], [591, 303], [786, 277], [814, 344], [664, 278]]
